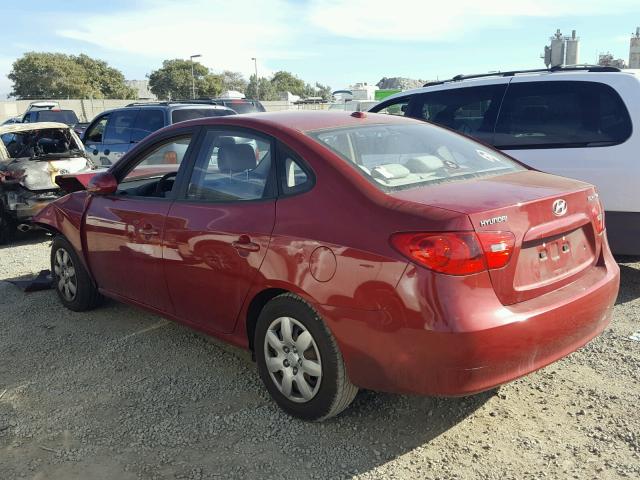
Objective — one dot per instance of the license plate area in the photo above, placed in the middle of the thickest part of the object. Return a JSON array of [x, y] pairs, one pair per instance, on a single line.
[[551, 259]]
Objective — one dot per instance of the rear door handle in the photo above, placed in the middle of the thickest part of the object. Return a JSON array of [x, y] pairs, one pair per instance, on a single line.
[[245, 243]]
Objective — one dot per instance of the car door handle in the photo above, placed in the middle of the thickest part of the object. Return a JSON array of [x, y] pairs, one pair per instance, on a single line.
[[148, 231], [245, 243]]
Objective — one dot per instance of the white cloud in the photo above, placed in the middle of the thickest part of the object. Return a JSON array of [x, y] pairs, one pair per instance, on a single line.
[[424, 20], [226, 33]]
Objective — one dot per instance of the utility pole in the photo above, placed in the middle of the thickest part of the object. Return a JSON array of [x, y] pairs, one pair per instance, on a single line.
[[193, 78], [255, 64]]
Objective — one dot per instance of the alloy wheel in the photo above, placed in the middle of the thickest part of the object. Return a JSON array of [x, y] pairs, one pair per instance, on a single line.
[[65, 275], [293, 359]]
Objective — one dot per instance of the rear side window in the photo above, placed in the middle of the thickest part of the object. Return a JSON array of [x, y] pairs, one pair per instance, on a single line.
[[471, 110], [560, 114], [184, 114], [231, 167], [396, 157], [400, 107], [119, 126], [147, 122], [243, 106]]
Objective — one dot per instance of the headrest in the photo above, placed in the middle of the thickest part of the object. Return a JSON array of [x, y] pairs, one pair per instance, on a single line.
[[224, 141], [236, 158], [424, 164]]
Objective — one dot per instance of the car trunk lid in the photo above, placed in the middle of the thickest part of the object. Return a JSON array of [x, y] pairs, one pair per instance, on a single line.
[[552, 219]]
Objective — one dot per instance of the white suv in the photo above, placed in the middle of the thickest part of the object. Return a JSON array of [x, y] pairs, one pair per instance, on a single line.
[[579, 122]]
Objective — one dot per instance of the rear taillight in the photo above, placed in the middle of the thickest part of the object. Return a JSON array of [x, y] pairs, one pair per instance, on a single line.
[[456, 253], [597, 214], [498, 247]]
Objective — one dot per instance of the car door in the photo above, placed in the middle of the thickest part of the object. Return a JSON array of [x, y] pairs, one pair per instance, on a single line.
[[577, 129], [118, 133], [218, 229], [92, 139], [124, 231]]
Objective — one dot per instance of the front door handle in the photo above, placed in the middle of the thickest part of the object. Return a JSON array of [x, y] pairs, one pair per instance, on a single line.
[[245, 243], [148, 231]]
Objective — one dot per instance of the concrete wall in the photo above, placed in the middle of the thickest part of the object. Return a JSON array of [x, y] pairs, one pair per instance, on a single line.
[[87, 109]]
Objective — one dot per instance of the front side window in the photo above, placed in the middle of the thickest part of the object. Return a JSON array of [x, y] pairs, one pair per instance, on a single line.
[[232, 166], [561, 114], [119, 127], [153, 174], [96, 132], [469, 110], [396, 157], [400, 107]]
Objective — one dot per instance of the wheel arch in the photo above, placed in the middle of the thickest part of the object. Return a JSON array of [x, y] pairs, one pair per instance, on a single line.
[[255, 307]]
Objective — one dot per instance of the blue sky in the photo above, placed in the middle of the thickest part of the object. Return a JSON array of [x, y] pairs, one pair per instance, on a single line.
[[336, 42]]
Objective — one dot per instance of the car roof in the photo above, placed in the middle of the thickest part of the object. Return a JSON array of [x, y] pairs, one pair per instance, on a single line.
[[302, 120], [503, 78], [165, 106], [25, 127]]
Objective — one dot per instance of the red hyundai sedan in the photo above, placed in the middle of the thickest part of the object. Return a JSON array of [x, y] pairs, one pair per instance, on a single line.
[[344, 250]]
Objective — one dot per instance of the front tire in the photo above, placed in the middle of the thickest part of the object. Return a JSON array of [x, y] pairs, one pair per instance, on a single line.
[[71, 280], [299, 360]]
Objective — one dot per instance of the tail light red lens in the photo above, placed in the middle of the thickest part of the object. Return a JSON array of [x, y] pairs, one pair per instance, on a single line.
[[597, 214], [456, 253], [498, 247]]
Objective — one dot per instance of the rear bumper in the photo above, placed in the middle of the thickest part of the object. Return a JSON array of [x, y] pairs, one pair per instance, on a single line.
[[459, 344]]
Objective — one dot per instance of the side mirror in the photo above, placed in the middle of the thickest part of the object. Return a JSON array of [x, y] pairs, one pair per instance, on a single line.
[[103, 183]]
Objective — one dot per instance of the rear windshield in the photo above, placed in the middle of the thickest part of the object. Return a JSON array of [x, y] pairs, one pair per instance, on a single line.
[[63, 116], [396, 157], [244, 106], [184, 114]]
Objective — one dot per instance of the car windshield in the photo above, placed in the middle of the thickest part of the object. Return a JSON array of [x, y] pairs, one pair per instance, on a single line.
[[184, 114], [396, 157], [42, 143], [63, 116]]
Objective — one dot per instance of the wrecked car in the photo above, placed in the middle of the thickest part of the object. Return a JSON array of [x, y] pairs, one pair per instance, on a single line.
[[31, 156]]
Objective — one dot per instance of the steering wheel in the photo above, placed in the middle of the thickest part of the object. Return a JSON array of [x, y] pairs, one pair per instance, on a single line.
[[161, 185]]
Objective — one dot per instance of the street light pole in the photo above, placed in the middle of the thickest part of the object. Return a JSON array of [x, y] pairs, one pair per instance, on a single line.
[[193, 78], [255, 64]]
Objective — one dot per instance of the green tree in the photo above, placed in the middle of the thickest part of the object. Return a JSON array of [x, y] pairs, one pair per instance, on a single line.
[[287, 82], [174, 80], [107, 80], [233, 81], [265, 89], [56, 75]]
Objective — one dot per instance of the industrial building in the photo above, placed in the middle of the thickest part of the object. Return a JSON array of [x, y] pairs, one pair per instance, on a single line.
[[562, 50], [634, 50]]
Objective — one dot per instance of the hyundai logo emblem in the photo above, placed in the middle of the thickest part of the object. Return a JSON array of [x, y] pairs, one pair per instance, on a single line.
[[559, 207]]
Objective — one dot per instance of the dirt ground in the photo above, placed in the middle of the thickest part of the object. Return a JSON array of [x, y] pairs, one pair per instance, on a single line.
[[118, 393]]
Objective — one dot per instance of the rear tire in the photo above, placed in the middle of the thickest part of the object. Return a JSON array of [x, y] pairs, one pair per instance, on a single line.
[[299, 360], [7, 228], [72, 282]]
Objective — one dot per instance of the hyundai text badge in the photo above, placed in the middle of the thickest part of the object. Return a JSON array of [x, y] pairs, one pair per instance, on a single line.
[[559, 207]]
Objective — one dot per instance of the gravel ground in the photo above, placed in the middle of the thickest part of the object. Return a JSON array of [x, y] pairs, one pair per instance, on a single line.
[[122, 394]]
